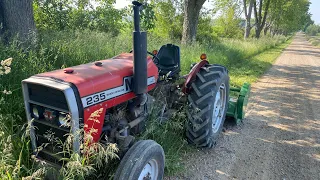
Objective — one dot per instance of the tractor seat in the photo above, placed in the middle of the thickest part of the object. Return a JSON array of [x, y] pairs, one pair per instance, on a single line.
[[169, 59]]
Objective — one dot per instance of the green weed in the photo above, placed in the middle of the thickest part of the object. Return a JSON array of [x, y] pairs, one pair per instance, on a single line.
[[314, 40]]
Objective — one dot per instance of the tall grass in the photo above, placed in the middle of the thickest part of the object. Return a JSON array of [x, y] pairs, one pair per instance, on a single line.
[[314, 40], [56, 50]]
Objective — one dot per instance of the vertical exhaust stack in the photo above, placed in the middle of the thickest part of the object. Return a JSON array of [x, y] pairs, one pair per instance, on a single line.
[[139, 56]]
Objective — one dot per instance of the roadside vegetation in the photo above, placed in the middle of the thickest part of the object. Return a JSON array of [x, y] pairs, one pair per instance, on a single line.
[[72, 48], [313, 34], [70, 35]]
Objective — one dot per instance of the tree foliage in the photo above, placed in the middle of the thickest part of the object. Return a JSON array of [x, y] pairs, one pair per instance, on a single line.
[[169, 20], [313, 30], [177, 19], [228, 24], [288, 16], [77, 14]]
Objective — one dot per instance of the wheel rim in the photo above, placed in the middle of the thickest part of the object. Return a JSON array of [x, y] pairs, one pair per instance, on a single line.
[[218, 108], [150, 171]]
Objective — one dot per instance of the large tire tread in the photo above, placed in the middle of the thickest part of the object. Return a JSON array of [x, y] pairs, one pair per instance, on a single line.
[[200, 105], [136, 157]]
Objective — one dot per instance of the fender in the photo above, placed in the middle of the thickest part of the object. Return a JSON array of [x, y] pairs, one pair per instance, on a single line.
[[192, 75]]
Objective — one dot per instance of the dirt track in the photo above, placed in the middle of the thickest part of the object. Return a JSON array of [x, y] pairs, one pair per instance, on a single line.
[[280, 137]]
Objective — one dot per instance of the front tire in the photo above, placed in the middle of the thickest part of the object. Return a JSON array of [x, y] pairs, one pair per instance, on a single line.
[[143, 161], [207, 105]]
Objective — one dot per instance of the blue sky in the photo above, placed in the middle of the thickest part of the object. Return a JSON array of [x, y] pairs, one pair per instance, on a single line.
[[315, 11], [314, 8]]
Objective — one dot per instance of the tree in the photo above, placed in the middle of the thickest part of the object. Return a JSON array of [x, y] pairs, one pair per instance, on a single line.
[[288, 16], [78, 14], [308, 21], [16, 18], [260, 15], [169, 18], [191, 18], [247, 14], [52, 14], [228, 23], [313, 30]]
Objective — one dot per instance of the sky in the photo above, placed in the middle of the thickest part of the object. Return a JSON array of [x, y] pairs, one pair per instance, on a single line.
[[315, 11], [314, 8]]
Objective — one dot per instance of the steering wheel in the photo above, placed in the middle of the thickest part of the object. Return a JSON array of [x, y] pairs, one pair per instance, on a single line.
[[154, 57]]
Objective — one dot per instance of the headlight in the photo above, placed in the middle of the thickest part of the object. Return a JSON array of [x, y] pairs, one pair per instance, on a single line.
[[64, 119], [36, 112]]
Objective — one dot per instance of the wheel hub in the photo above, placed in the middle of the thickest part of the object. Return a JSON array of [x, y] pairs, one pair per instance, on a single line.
[[218, 108], [149, 171]]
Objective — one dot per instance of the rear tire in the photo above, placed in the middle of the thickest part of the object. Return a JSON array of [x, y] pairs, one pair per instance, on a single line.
[[144, 160], [207, 105]]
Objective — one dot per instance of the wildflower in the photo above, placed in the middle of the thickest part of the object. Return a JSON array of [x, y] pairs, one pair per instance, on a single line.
[[6, 92], [7, 70], [6, 62]]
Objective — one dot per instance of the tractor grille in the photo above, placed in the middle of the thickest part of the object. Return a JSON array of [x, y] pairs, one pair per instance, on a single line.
[[50, 136], [48, 96]]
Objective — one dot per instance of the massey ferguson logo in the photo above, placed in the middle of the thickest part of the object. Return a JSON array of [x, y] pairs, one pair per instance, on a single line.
[[49, 115]]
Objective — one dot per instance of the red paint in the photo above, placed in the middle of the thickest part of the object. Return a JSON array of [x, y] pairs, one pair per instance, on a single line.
[[90, 78], [192, 75]]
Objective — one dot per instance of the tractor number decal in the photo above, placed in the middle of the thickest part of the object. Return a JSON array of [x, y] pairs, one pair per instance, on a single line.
[[112, 93]]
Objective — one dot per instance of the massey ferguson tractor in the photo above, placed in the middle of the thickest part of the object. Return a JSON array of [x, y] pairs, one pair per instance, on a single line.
[[130, 83]]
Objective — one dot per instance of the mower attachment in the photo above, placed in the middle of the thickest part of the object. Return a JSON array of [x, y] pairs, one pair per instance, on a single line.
[[238, 102]]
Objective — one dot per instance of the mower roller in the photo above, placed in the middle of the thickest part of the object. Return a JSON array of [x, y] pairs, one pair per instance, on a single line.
[[111, 99]]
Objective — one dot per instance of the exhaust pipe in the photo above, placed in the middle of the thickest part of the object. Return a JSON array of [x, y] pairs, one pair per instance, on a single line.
[[140, 75]]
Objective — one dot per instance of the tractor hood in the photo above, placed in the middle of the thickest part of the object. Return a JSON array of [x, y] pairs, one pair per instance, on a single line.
[[102, 75]]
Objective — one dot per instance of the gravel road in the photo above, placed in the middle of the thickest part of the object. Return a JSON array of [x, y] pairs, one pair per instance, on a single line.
[[280, 137]]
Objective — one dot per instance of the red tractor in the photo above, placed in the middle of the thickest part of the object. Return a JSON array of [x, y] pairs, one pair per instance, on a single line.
[[128, 83]]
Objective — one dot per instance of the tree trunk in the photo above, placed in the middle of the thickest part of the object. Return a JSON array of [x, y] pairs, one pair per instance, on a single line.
[[260, 19], [247, 30], [265, 31], [248, 17], [258, 32], [191, 17], [17, 19], [1, 20]]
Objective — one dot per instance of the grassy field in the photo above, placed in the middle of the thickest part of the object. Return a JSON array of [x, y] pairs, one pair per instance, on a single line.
[[246, 61]]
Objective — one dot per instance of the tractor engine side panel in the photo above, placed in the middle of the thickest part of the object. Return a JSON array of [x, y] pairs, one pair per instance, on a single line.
[[94, 115]]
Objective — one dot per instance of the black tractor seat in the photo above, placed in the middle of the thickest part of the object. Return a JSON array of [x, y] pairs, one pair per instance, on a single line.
[[169, 60]]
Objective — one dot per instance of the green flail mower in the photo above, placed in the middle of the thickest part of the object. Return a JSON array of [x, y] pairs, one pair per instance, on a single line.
[[238, 102]]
